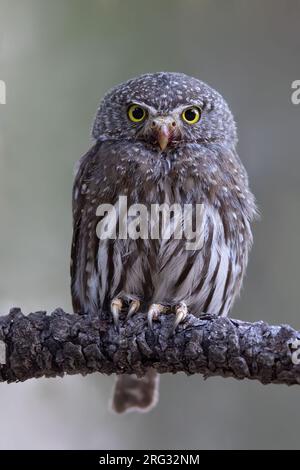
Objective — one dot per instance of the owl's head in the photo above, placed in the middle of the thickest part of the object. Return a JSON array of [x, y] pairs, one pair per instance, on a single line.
[[165, 110]]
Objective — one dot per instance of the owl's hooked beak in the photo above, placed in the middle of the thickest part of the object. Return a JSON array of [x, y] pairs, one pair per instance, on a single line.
[[164, 129]]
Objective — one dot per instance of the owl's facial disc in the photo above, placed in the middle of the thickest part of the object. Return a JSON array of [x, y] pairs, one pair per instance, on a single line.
[[163, 130]]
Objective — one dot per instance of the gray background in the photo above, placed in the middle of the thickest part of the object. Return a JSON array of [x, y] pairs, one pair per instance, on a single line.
[[57, 59]]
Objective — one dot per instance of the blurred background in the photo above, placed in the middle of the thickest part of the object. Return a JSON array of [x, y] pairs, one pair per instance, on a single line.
[[57, 59]]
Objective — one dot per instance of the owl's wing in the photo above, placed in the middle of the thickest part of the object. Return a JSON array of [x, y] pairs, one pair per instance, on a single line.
[[95, 184], [87, 195]]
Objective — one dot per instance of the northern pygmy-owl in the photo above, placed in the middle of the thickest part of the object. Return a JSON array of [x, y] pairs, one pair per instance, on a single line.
[[161, 138]]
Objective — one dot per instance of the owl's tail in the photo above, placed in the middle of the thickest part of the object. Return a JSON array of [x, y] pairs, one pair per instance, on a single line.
[[135, 394]]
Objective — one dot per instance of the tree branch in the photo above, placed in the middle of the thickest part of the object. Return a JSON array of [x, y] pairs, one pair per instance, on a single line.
[[53, 345]]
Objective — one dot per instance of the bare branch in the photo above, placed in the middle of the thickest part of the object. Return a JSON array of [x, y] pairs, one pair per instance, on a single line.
[[53, 345]]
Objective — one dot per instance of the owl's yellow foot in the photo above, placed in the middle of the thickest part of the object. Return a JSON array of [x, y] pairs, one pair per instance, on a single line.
[[181, 312], [133, 308], [115, 308], [154, 311]]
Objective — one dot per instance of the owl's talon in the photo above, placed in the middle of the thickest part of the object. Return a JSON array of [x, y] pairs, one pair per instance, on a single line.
[[154, 311], [150, 318], [115, 308], [134, 307], [181, 312]]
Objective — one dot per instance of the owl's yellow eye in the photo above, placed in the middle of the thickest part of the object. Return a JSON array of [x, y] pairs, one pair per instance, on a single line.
[[136, 113], [191, 115]]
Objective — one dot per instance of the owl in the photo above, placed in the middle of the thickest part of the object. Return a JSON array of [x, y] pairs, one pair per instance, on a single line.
[[161, 138]]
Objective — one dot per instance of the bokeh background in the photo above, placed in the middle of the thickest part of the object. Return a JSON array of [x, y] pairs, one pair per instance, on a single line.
[[57, 59]]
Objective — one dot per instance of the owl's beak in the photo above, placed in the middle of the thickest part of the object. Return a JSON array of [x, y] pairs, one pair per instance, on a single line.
[[163, 129], [163, 136]]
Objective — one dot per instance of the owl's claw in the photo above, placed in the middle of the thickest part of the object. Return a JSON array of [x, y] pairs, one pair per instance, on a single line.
[[154, 311], [115, 308], [181, 312], [134, 307]]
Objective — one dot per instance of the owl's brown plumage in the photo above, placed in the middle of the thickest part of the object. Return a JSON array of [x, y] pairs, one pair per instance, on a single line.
[[162, 158]]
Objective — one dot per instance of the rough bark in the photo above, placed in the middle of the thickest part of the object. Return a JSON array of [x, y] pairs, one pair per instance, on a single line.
[[53, 345]]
